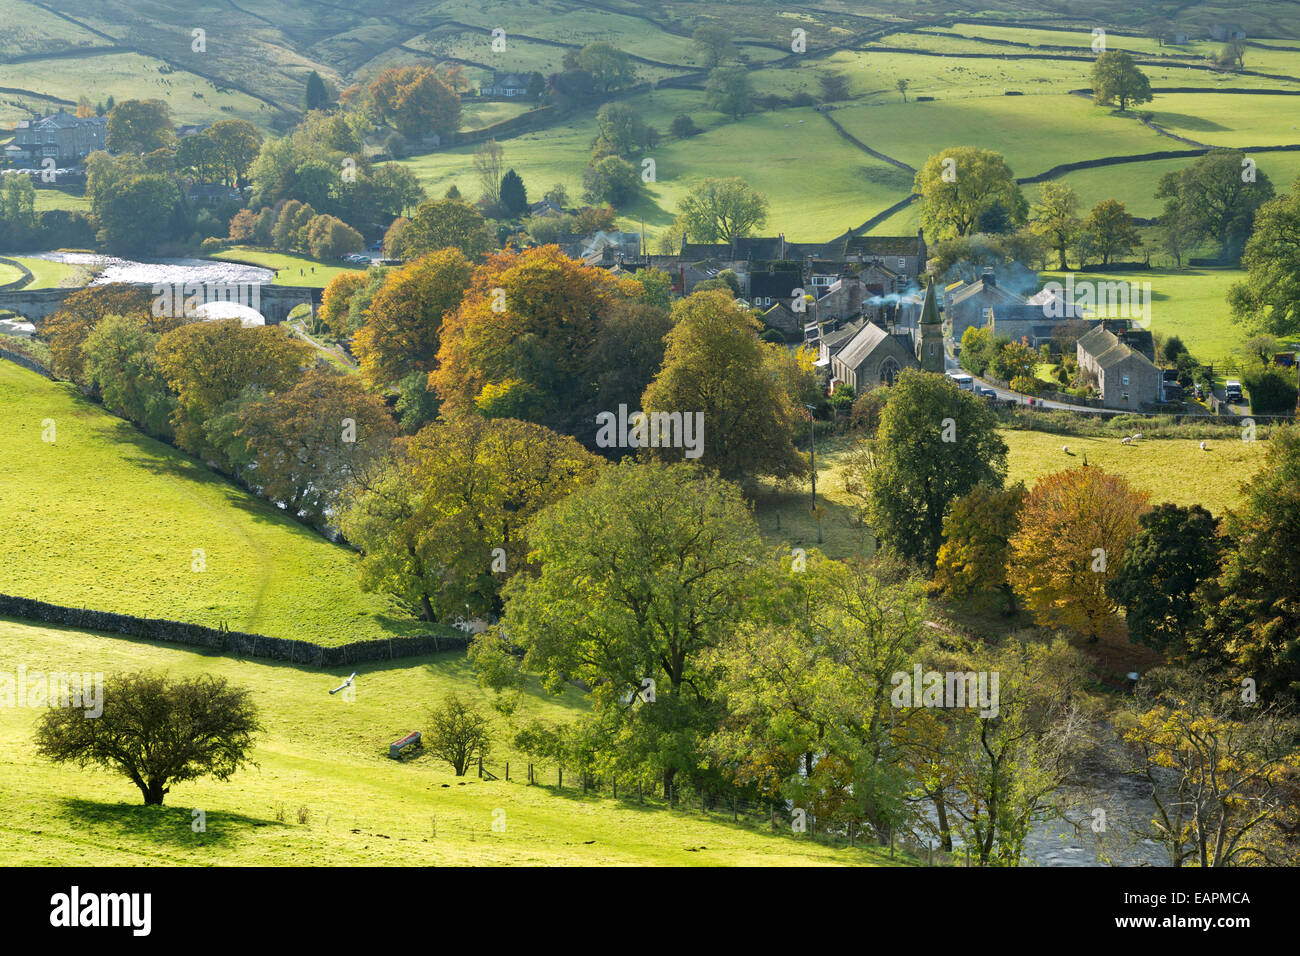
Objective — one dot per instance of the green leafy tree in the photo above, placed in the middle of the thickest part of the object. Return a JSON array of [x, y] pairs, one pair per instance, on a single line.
[[611, 180], [441, 526], [729, 91], [514, 197], [1112, 230], [642, 573], [138, 214], [1055, 219], [1216, 197], [960, 184], [610, 67], [719, 210], [457, 733], [620, 131], [317, 97], [714, 43], [1253, 607], [139, 126], [156, 731], [1175, 551], [976, 547], [120, 362], [1269, 297], [935, 444], [1116, 79]]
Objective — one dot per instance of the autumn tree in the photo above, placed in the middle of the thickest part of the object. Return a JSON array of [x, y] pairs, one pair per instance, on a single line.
[[716, 364], [209, 364], [962, 183], [302, 446], [976, 547], [416, 100], [155, 731], [67, 329], [337, 297], [934, 445], [440, 527], [1074, 529], [720, 210], [529, 319], [1221, 771], [1116, 79], [404, 320]]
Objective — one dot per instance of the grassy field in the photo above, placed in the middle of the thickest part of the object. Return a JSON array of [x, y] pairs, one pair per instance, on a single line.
[[66, 541], [1170, 469], [1190, 303], [292, 269], [330, 755], [53, 275]]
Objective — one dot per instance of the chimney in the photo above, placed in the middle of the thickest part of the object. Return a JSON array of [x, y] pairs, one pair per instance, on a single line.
[[781, 236], [988, 278]]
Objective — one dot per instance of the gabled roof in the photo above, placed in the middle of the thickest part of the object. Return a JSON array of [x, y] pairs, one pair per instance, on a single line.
[[776, 285], [1107, 350], [980, 285], [885, 246], [836, 340], [862, 345]]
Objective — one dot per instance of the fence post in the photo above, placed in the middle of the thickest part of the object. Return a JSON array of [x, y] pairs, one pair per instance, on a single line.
[[480, 767], [615, 788], [640, 797], [507, 771], [560, 771], [891, 842]]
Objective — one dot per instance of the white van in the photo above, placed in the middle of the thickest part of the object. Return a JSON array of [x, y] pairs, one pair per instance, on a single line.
[[963, 381]]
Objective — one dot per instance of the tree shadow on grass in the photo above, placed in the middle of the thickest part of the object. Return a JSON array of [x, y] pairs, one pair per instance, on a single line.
[[171, 826]]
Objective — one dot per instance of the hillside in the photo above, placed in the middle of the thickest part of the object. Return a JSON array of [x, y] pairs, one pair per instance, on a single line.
[[63, 542], [330, 756]]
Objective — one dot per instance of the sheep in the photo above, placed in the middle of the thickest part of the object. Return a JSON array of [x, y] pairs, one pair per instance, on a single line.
[[1126, 441], [1202, 446], [1065, 448], [1137, 435]]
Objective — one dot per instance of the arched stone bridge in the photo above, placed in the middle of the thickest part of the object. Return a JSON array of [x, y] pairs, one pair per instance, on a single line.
[[275, 302]]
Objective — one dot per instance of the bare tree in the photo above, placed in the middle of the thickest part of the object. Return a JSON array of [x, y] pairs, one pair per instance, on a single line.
[[489, 164]]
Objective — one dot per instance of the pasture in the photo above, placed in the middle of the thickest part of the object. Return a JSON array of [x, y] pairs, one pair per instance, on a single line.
[[69, 541], [290, 269], [329, 755]]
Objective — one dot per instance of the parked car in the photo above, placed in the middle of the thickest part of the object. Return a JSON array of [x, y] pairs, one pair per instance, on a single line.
[[1232, 390]]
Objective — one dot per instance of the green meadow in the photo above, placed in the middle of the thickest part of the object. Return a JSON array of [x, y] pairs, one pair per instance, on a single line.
[[328, 756], [293, 269], [66, 540]]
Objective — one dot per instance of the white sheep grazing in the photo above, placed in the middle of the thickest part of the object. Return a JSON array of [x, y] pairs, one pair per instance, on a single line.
[[1202, 446], [1065, 448], [1126, 441], [1137, 435]]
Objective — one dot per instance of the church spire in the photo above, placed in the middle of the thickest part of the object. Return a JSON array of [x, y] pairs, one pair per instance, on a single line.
[[930, 352]]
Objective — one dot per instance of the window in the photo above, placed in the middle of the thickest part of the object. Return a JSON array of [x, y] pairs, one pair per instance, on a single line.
[[902, 263], [1123, 397], [1124, 381]]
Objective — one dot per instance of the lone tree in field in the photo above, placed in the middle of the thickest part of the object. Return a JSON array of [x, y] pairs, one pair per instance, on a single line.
[[719, 210], [156, 731], [1117, 79], [963, 183], [458, 733]]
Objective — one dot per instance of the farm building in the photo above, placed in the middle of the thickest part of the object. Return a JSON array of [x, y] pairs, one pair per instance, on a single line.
[[1123, 376], [506, 84]]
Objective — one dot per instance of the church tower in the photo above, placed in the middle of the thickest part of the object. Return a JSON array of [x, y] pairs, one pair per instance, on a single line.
[[930, 349]]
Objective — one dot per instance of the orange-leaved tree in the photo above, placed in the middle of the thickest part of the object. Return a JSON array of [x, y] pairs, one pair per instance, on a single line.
[[1074, 528]]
